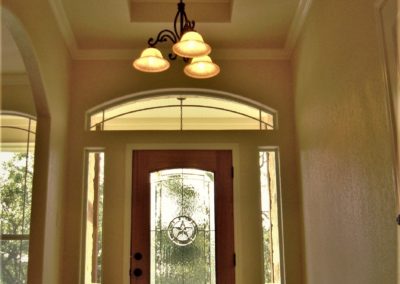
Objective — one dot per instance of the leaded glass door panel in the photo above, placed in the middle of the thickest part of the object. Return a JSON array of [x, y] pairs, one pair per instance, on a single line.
[[182, 217]]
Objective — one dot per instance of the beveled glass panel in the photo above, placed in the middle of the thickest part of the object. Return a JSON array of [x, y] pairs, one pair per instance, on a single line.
[[182, 226], [223, 104], [142, 104], [200, 118], [153, 119]]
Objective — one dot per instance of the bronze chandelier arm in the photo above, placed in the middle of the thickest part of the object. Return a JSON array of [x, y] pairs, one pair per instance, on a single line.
[[163, 36]]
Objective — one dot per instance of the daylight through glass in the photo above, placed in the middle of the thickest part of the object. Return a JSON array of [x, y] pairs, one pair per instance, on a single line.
[[182, 228]]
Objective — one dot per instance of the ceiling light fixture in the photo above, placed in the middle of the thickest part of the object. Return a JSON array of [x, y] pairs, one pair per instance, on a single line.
[[187, 43]]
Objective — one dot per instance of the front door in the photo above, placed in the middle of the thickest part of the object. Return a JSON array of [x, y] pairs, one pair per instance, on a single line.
[[182, 217]]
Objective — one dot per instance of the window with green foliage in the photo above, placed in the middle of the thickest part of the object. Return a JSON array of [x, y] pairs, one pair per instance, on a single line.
[[94, 217], [16, 174], [183, 240], [270, 216]]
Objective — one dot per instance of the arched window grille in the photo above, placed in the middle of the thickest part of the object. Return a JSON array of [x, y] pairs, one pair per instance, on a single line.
[[16, 173], [179, 111]]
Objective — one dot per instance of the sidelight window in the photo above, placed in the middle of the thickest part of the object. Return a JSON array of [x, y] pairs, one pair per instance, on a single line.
[[270, 216], [93, 253]]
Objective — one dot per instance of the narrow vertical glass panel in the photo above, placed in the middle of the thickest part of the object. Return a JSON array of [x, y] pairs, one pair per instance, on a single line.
[[94, 217], [200, 118], [167, 118], [270, 218], [182, 226], [14, 261]]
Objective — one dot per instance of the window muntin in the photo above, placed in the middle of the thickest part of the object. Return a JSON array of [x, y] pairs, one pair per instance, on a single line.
[[16, 174], [270, 216], [94, 217], [190, 112]]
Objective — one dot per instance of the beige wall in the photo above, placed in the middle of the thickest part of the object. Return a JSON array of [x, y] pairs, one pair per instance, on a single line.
[[344, 147], [95, 82], [47, 63], [17, 97]]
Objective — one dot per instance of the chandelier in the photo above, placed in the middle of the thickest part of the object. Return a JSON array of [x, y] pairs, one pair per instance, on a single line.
[[187, 43]]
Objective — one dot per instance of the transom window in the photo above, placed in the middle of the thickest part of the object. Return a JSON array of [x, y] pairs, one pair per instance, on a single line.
[[183, 112]]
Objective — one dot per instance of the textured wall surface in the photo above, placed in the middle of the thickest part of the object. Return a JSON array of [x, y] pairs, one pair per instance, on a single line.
[[344, 147]]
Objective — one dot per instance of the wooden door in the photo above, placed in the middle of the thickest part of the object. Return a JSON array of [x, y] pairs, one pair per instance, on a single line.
[[182, 217]]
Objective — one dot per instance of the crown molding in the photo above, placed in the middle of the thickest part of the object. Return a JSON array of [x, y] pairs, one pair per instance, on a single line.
[[297, 25], [64, 25], [14, 79], [222, 54]]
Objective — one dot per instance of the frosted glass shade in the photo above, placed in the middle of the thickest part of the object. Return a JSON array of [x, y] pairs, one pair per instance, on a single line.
[[191, 45], [151, 60], [201, 68]]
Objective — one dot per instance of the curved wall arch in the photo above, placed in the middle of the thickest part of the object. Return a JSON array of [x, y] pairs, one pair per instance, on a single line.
[[40, 187], [27, 51], [35, 30]]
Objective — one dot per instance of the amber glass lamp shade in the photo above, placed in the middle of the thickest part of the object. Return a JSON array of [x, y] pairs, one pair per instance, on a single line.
[[191, 45], [202, 68], [151, 60]]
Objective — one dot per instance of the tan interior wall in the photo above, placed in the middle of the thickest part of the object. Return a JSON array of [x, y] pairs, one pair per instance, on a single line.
[[17, 98], [95, 82], [46, 59], [344, 147]]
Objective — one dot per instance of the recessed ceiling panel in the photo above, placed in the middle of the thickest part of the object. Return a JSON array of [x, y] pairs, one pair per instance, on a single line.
[[224, 24], [164, 11]]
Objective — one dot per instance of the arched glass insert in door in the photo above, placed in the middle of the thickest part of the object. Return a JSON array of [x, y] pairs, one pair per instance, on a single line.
[[182, 227]]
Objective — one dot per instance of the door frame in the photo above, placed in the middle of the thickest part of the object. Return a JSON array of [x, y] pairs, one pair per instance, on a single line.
[[234, 147], [217, 161]]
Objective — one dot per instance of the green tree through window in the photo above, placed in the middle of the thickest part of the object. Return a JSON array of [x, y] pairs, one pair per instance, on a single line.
[[184, 197], [15, 195]]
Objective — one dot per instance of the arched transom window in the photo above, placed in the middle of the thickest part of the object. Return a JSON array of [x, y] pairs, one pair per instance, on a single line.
[[183, 112]]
